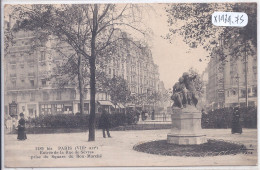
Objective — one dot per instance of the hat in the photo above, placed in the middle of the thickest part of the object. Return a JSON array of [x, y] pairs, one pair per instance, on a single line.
[[185, 74], [181, 79], [21, 114]]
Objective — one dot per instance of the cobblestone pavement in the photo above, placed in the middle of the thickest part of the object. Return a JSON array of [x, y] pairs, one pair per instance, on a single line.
[[116, 151]]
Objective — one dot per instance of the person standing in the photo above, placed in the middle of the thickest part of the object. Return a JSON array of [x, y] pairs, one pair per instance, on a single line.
[[105, 123], [236, 125], [164, 116], [21, 128]]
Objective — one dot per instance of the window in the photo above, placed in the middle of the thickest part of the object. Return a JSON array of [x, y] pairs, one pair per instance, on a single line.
[[45, 109], [86, 107], [31, 64], [13, 66], [58, 95], [13, 83], [22, 65], [59, 107], [73, 94], [42, 56], [14, 97], [32, 83], [23, 96], [43, 82], [22, 80], [32, 96], [109, 70], [45, 96]]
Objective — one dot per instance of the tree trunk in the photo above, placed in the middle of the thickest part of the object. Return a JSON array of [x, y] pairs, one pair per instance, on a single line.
[[92, 101], [81, 89], [92, 62]]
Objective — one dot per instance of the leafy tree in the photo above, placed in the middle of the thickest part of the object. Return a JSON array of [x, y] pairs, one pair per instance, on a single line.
[[198, 83], [93, 31], [193, 22], [118, 90]]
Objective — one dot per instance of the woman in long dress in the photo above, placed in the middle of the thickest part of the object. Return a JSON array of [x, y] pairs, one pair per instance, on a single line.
[[236, 125], [21, 128]]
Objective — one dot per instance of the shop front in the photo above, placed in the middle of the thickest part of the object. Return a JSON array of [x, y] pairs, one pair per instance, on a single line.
[[60, 107]]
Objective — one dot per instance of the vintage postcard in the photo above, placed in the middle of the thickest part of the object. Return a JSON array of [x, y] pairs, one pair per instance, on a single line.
[[129, 84]]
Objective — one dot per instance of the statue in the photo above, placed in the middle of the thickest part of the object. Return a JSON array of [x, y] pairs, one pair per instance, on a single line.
[[186, 118], [184, 91]]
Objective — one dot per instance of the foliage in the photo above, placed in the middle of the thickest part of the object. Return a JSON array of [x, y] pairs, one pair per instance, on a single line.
[[193, 22], [118, 90], [77, 121], [222, 118], [210, 148], [197, 81], [93, 31]]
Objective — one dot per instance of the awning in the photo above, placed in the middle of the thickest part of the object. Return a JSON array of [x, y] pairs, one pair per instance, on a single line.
[[120, 105], [105, 103]]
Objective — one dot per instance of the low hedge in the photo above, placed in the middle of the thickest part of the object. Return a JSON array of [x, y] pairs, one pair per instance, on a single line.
[[222, 118], [77, 120]]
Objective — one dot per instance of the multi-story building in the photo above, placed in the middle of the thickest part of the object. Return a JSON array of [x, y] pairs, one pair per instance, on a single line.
[[239, 76], [227, 81], [27, 80], [204, 78], [215, 91]]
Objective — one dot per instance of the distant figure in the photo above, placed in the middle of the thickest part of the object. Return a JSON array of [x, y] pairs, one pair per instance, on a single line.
[[164, 116], [138, 115], [104, 123], [21, 128], [143, 115], [153, 116], [236, 125]]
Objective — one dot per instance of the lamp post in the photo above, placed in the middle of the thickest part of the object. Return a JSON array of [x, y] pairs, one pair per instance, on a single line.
[[237, 77], [246, 65]]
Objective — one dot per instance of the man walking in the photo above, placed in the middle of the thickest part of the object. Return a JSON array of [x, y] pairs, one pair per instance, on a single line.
[[105, 123]]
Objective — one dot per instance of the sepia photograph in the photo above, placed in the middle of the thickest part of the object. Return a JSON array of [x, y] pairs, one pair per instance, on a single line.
[[129, 84]]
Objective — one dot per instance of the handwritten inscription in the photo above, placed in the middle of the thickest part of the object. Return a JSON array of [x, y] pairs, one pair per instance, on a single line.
[[232, 19], [62, 152]]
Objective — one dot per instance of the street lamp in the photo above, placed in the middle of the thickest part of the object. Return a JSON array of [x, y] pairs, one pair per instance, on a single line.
[[237, 77]]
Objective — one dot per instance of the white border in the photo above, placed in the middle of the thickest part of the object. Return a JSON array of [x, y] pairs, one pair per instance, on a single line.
[[3, 2]]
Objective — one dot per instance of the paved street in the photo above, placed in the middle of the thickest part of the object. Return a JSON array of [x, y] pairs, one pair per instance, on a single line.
[[117, 151]]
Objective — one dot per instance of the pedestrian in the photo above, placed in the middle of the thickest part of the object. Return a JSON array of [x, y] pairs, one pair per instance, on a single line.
[[105, 123], [236, 125], [143, 115], [153, 118], [164, 116], [21, 128]]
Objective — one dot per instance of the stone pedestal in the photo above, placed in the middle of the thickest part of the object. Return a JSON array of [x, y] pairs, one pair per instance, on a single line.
[[186, 127]]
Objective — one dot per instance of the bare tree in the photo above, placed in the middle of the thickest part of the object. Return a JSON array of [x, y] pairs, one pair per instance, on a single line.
[[94, 31]]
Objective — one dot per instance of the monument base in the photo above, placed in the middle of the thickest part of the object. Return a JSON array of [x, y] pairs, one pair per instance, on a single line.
[[186, 127], [186, 140]]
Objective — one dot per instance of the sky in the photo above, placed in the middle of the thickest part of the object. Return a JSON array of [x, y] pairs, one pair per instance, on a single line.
[[173, 59]]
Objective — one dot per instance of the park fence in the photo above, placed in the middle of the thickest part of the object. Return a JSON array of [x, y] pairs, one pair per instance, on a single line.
[[222, 118]]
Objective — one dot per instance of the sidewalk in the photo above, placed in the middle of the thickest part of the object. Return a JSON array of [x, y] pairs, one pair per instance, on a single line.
[[117, 151]]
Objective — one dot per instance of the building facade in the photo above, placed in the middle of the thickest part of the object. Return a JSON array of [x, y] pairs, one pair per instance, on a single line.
[[27, 80], [228, 81]]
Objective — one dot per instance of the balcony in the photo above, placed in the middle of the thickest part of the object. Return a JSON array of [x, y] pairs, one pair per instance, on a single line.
[[31, 75], [13, 75]]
